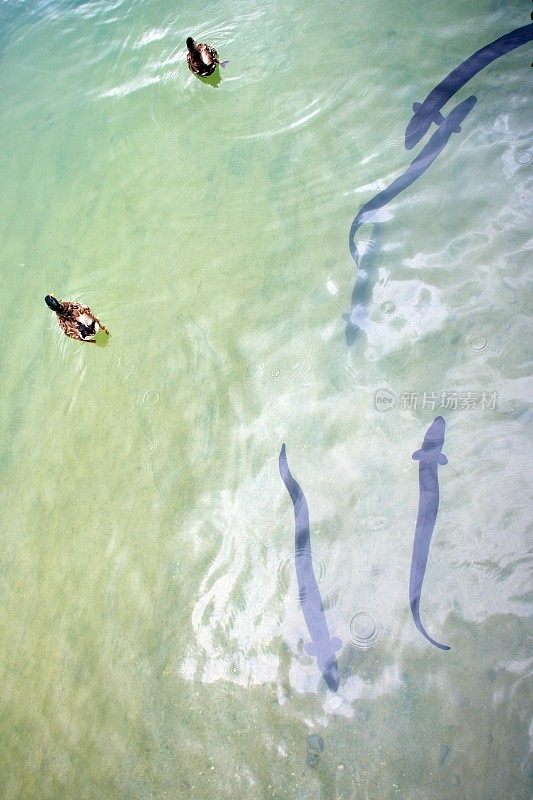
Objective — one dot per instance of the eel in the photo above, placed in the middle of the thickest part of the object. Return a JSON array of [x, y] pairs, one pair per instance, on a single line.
[[435, 146], [321, 646], [424, 114], [429, 458], [430, 110]]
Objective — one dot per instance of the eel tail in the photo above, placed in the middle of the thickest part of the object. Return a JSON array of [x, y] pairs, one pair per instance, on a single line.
[[415, 608]]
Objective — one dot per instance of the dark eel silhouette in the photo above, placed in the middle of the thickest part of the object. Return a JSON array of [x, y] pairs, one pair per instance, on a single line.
[[429, 458], [424, 114], [322, 647], [435, 146], [429, 111], [358, 315]]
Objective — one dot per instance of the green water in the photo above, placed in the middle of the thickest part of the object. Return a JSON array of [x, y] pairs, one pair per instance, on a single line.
[[151, 634]]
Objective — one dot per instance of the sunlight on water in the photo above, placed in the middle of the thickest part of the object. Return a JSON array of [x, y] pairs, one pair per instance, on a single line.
[[151, 629]]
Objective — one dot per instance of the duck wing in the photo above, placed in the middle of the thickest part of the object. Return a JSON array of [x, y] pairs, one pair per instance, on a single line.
[[207, 54]]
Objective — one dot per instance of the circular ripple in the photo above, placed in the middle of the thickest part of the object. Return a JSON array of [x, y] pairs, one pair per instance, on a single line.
[[391, 124], [477, 341], [286, 570], [348, 96], [282, 342], [285, 65], [151, 397], [523, 157], [432, 202], [234, 670], [365, 632], [388, 307]]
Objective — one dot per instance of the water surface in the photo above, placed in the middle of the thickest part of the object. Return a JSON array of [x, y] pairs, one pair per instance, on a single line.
[[152, 638]]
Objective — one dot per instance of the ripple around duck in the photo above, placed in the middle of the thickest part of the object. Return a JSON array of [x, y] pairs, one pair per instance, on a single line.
[[365, 632]]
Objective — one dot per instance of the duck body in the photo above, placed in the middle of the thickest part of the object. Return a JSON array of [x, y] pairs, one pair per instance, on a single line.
[[202, 59], [76, 321]]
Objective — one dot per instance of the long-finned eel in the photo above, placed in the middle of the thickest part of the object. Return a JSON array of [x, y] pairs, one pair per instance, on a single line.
[[424, 114], [417, 167], [322, 646], [429, 458], [429, 111]]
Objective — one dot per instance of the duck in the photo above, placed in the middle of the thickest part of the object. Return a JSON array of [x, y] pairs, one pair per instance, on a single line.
[[201, 58], [75, 320]]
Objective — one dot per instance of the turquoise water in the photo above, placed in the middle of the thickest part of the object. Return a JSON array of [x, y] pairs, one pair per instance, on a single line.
[[152, 638]]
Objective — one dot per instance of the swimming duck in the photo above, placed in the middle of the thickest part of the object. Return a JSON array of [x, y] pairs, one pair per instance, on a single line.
[[201, 58], [75, 320]]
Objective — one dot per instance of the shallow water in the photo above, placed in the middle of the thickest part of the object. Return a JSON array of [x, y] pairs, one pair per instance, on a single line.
[[152, 638]]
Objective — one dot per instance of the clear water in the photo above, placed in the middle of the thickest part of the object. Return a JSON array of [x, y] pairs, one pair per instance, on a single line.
[[151, 634]]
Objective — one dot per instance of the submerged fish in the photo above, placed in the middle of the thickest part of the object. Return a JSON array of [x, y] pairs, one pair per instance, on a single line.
[[417, 167], [429, 458], [321, 646], [430, 110], [424, 114]]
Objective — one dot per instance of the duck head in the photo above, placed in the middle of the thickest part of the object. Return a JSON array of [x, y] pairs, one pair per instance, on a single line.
[[191, 46], [52, 303]]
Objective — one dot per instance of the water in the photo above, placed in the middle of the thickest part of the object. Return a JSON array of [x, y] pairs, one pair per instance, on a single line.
[[152, 638]]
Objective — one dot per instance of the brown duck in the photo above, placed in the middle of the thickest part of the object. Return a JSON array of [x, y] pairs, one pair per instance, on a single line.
[[75, 320], [201, 58]]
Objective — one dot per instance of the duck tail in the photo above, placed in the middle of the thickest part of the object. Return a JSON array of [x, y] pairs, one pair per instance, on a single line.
[[191, 46]]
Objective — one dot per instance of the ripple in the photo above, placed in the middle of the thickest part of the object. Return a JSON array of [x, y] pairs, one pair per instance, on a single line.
[[293, 349], [393, 125], [478, 22], [285, 568], [432, 201], [477, 341], [523, 157], [365, 632], [388, 307], [347, 97], [285, 65], [301, 33], [297, 109], [151, 397]]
